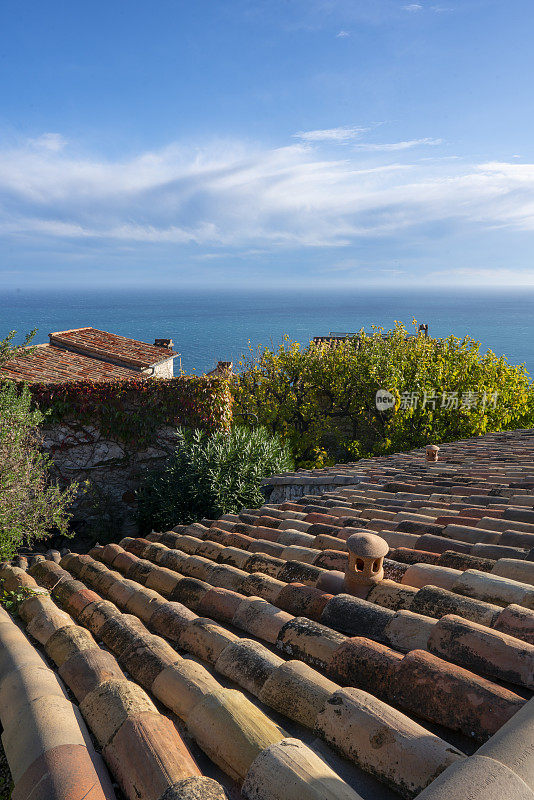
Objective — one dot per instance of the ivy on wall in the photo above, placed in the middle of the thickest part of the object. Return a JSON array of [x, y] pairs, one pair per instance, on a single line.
[[132, 411]]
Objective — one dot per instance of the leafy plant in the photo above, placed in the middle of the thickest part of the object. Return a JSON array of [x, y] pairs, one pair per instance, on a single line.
[[10, 599], [30, 505], [8, 350], [321, 399], [132, 411], [209, 475]]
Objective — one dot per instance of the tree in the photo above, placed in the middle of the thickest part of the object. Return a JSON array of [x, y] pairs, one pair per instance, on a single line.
[[30, 505], [322, 398]]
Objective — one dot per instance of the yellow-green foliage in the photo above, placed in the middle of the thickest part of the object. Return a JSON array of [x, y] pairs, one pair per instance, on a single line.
[[321, 398]]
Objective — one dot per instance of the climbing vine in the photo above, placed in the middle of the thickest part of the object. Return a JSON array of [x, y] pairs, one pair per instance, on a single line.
[[133, 411]]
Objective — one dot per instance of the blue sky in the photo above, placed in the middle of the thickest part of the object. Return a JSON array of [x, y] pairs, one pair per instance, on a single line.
[[266, 142]]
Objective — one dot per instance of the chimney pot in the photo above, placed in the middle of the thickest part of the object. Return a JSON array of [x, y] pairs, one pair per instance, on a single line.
[[365, 567], [432, 451]]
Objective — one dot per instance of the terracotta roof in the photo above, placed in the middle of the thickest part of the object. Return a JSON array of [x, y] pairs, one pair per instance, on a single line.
[[425, 680], [48, 364], [97, 343], [85, 354]]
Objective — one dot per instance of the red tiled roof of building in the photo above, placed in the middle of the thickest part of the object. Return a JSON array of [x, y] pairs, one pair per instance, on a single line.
[[101, 344], [47, 364]]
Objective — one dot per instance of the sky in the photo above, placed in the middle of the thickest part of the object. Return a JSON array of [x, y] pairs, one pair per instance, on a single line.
[[268, 143]]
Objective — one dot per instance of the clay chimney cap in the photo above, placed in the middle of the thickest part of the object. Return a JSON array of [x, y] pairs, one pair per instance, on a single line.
[[433, 447], [367, 545]]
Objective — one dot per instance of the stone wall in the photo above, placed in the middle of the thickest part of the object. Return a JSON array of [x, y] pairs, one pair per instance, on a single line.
[[292, 485], [114, 470], [165, 369], [109, 434]]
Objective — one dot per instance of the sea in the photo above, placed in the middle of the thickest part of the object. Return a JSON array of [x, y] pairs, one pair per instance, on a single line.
[[208, 326]]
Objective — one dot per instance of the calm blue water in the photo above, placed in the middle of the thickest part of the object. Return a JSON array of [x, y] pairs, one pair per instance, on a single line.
[[216, 326]]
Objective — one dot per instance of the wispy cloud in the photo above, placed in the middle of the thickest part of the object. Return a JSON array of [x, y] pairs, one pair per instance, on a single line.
[[469, 277], [392, 146], [237, 196], [342, 134], [414, 8], [49, 141], [343, 35]]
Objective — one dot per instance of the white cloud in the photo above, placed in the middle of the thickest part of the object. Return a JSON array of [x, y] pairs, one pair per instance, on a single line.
[[49, 141], [343, 35], [398, 145], [476, 277], [414, 8], [233, 195], [342, 134]]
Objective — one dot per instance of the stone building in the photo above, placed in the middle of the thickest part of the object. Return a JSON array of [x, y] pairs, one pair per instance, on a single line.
[[81, 451], [90, 354]]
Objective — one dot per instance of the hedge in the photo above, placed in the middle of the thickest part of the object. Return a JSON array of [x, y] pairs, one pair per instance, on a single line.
[[133, 410]]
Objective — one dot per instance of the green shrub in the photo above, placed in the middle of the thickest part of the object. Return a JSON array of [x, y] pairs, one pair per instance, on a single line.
[[209, 475], [321, 399], [30, 505]]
